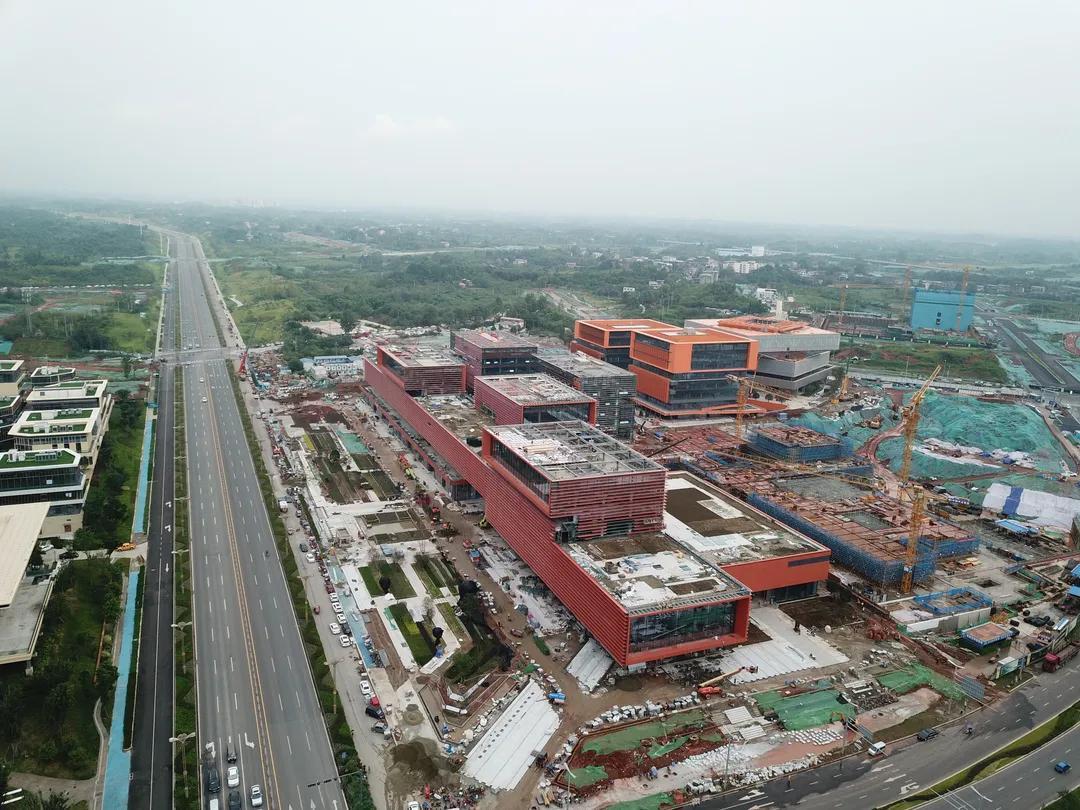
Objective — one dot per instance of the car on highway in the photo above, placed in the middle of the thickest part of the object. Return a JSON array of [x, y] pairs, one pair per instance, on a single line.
[[926, 734], [213, 779], [365, 689], [256, 796], [1062, 766], [202, 380], [344, 640], [235, 802], [335, 628], [232, 776], [204, 399]]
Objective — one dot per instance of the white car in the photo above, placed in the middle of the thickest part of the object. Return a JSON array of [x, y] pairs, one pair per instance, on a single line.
[[204, 399], [310, 557], [335, 628], [340, 616], [256, 796], [232, 776], [412, 806], [365, 689], [201, 380], [345, 640]]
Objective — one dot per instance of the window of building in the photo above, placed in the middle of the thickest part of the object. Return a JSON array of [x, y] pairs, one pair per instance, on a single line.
[[680, 626]]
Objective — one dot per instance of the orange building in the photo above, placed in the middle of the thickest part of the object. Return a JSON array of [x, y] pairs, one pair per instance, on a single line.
[[609, 340]]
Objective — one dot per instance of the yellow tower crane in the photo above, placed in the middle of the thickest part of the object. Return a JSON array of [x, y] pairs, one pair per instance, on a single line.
[[746, 385], [912, 551], [911, 424], [963, 290]]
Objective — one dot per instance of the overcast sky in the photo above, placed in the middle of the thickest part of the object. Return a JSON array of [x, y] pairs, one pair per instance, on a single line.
[[941, 115]]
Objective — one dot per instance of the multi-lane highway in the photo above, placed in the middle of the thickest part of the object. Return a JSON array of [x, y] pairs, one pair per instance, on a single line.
[[256, 697], [151, 760]]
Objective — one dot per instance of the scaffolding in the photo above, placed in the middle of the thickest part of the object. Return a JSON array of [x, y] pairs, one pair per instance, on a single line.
[[798, 445], [956, 600]]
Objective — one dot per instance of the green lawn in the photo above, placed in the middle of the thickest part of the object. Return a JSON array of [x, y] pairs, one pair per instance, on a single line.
[[434, 574], [400, 587], [40, 348], [419, 647], [46, 719], [918, 360], [451, 619], [128, 332]]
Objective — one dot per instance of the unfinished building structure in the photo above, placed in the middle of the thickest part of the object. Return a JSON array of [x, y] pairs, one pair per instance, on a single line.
[[797, 445], [491, 353], [423, 370], [613, 388], [531, 398]]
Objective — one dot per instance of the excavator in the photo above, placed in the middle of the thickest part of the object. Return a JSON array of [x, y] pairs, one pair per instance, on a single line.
[[715, 686]]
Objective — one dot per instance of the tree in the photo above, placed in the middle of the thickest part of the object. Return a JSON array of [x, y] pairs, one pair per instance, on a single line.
[[54, 801], [125, 364], [347, 321]]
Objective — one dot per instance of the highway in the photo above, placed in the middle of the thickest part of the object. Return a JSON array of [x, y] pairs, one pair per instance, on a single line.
[[1043, 366], [863, 782], [255, 690], [151, 758]]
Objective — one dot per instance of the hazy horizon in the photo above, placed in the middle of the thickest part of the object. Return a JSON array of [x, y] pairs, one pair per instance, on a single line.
[[943, 119]]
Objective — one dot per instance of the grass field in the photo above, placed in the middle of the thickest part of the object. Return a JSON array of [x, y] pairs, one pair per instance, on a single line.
[[400, 587], [129, 332], [434, 575], [918, 360], [418, 645]]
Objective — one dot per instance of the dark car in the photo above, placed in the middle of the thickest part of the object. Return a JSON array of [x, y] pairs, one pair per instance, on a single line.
[[213, 779], [372, 711], [926, 734], [235, 802], [1062, 767]]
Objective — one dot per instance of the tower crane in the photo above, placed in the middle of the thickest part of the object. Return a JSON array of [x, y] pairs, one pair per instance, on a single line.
[[911, 424], [963, 291], [746, 385], [916, 495]]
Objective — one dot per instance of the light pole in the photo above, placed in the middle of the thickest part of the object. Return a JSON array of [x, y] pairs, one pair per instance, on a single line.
[[183, 651], [183, 738]]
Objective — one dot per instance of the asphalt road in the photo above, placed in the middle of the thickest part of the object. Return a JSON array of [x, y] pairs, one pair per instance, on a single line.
[[862, 782], [1044, 367], [151, 759], [255, 689]]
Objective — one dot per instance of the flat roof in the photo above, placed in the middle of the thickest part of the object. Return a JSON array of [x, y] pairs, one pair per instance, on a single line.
[[580, 364], [36, 423], [10, 365], [458, 414], [682, 334], [21, 459], [20, 526], [647, 572], [494, 339], [795, 436], [421, 356], [49, 371], [725, 529], [626, 324], [752, 325], [563, 451], [533, 389]]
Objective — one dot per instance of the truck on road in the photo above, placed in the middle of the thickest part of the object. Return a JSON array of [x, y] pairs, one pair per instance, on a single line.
[[1053, 661]]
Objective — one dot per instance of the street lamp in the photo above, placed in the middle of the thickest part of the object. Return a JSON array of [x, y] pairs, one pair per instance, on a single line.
[[183, 738]]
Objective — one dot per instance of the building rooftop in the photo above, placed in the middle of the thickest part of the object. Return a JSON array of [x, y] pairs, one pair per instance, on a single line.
[[7, 402], [19, 459], [627, 324], [649, 571], [580, 364], [418, 355], [534, 389], [49, 371], [725, 529], [751, 325], [682, 334], [31, 423], [563, 451], [10, 365], [19, 528], [794, 436], [458, 414], [490, 339]]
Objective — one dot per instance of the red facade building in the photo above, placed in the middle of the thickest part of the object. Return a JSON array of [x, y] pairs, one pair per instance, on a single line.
[[522, 398]]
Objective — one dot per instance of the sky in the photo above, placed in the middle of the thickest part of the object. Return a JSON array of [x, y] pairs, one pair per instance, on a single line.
[[956, 116]]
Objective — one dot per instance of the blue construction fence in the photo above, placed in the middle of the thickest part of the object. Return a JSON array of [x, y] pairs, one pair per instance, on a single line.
[[956, 600], [828, 449], [854, 558]]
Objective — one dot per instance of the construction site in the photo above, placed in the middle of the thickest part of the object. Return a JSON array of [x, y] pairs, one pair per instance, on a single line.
[[716, 602]]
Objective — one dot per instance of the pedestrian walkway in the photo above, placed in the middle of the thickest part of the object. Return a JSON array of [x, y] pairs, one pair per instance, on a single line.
[[138, 525], [118, 767]]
